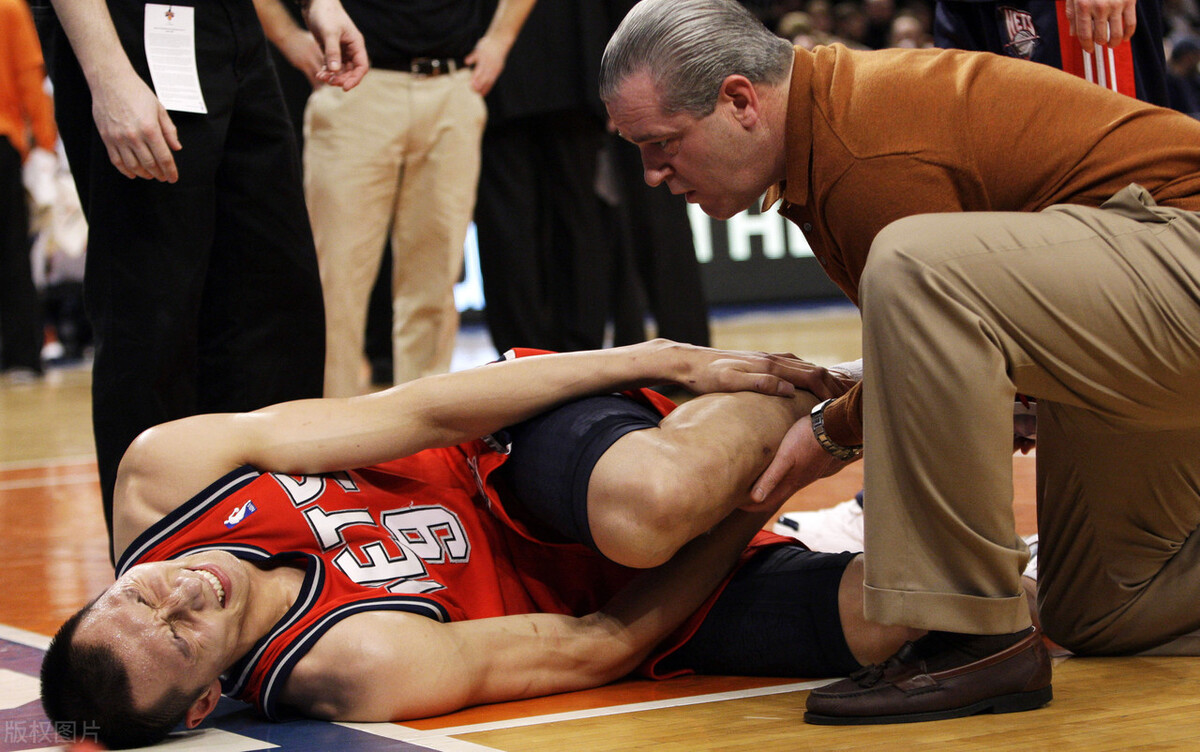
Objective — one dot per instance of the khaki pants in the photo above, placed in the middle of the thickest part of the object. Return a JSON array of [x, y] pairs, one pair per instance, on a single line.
[[399, 153], [1096, 313]]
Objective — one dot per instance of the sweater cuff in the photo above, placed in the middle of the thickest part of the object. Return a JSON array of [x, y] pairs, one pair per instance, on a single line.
[[843, 418]]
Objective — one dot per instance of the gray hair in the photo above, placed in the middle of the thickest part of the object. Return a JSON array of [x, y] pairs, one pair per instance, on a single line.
[[689, 47]]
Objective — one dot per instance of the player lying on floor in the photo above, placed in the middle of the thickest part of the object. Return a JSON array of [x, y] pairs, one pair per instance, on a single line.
[[287, 558]]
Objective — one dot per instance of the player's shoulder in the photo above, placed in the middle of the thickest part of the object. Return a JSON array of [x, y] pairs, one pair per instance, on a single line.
[[352, 659], [167, 465]]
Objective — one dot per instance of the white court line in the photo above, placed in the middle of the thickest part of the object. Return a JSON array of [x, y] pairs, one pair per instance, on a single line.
[[428, 737], [17, 689], [23, 637], [441, 740], [448, 744], [65, 480], [83, 459]]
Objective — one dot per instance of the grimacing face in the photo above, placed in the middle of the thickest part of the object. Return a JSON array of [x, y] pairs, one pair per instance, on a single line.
[[709, 160], [176, 623]]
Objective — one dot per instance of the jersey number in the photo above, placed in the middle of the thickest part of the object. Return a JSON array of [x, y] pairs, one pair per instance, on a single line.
[[422, 534]]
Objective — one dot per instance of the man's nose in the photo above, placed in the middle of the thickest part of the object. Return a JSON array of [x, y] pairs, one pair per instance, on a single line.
[[655, 172], [186, 595]]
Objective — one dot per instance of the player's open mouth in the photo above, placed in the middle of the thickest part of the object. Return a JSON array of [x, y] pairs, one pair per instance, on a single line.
[[215, 582]]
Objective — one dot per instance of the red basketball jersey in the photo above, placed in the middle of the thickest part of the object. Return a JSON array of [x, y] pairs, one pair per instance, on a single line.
[[425, 534]]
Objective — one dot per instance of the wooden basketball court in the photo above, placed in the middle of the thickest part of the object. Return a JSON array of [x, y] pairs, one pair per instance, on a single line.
[[54, 560]]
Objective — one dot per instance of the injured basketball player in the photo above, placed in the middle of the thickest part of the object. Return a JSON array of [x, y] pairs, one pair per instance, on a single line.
[[538, 525]]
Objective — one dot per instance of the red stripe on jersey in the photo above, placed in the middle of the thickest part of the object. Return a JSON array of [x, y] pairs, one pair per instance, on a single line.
[[1107, 67]]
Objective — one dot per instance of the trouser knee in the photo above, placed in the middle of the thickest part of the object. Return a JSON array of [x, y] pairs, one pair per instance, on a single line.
[[896, 274], [1094, 632]]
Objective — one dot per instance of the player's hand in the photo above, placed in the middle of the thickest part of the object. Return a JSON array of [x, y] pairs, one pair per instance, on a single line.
[[341, 42], [702, 370], [799, 461], [136, 129], [1101, 23]]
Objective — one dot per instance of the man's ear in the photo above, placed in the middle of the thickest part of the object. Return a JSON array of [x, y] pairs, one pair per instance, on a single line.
[[204, 705], [738, 92]]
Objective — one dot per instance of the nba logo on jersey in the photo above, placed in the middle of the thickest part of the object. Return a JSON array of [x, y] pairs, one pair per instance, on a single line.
[[240, 513], [1023, 38]]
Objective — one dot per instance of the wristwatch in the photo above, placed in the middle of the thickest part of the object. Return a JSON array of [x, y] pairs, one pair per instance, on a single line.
[[843, 453]]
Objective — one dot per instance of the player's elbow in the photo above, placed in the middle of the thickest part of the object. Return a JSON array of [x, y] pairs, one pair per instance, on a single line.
[[610, 652]]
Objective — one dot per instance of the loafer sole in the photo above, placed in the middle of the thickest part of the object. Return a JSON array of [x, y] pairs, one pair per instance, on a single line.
[[1013, 703]]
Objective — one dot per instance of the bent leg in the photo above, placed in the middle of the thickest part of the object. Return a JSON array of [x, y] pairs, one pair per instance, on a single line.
[[789, 612], [1118, 560], [655, 490], [613, 474], [1077, 306]]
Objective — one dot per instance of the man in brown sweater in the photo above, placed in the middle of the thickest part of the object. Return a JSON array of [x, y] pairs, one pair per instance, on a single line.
[[1007, 230]]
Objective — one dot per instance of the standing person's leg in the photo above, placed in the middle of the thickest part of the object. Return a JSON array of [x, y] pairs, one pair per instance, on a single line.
[[433, 211], [20, 314], [354, 152], [665, 253], [262, 326], [580, 243], [513, 239], [148, 244]]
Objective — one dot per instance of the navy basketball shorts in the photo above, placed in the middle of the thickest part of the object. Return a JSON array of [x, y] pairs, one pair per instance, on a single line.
[[778, 616], [552, 455]]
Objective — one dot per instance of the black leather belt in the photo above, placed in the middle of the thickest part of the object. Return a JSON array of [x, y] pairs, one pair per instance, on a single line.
[[432, 66]]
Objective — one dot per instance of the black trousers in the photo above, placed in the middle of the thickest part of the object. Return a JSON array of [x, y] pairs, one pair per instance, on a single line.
[[544, 249], [20, 314], [656, 240], [204, 295]]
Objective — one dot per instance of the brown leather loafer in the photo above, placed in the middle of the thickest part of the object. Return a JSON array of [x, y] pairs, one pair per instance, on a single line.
[[904, 690]]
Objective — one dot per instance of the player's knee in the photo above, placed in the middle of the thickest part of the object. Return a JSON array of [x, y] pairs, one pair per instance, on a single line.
[[647, 528]]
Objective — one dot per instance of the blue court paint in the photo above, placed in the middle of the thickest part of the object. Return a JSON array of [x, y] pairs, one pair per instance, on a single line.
[[26, 727]]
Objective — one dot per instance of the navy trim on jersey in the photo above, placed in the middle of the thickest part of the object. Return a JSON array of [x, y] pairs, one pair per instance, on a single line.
[[310, 592], [240, 550], [273, 683], [184, 514]]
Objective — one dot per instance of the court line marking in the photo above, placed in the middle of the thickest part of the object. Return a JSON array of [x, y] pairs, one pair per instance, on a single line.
[[81, 459], [400, 732], [442, 739], [24, 637], [51, 482]]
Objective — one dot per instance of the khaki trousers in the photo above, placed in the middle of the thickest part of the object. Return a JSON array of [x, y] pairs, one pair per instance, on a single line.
[[397, 154], [1096, 313]]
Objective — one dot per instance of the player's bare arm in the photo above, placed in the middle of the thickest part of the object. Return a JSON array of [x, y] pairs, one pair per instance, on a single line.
[[170, 463], [393, 666]]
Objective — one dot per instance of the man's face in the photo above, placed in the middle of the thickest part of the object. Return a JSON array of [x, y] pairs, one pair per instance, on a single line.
[[710, 160], [173, 623]]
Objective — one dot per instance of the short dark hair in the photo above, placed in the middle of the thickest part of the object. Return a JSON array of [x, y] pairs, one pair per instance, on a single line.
[[86, 693]]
